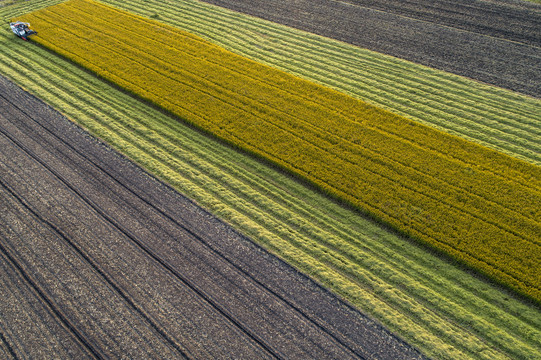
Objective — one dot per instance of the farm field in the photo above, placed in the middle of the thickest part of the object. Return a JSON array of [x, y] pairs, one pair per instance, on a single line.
[[495, 118], [488, 55], [155, 276], [477, 205], [455, 315], [503, 120], [496, 19]]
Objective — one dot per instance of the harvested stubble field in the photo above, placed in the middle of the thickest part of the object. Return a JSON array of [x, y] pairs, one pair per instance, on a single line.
[[445, 311], [493, 55], [477, 205]]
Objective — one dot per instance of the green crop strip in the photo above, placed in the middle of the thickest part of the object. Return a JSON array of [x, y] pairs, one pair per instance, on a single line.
[[477, 205], [446, 312]]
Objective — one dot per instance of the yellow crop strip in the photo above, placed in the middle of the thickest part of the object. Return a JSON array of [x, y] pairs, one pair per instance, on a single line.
[[477, 205]]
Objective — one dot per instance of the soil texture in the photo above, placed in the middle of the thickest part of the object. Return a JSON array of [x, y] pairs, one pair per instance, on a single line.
[[98, 259]]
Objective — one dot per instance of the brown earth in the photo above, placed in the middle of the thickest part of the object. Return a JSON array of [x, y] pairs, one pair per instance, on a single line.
[[511, 20], [98, 259], [496, 42]]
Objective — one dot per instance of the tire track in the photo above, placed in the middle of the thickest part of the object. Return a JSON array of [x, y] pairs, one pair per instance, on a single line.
[[58, 312], [7, 346], [47, 285], [141, 354], [25, 310], [334, 338], [88, 344]]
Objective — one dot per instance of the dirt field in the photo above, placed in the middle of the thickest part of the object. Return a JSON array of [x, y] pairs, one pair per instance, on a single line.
[[100, 260], [510, 20], [494, 42]]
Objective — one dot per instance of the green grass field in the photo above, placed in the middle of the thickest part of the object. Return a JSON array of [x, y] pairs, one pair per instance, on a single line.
[[443, 310]]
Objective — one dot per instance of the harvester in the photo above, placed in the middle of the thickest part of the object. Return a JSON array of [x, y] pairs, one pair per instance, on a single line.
[[22, 29]]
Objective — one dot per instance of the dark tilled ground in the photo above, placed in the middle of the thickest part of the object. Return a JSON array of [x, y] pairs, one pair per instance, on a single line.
[[514, 20], [100, 260], [497, 42]]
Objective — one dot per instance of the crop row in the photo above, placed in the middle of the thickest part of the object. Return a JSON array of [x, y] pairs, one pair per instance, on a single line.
[[445, 311], [473, 203], [494, 117]]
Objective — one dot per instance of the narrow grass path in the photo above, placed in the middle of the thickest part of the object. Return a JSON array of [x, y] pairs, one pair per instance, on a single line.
[[446, 312]]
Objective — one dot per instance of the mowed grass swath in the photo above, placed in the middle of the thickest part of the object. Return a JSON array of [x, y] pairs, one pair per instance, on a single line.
[[477, 205]]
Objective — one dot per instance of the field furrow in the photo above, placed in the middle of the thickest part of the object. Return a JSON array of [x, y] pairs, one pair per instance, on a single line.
[[499, 19]]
